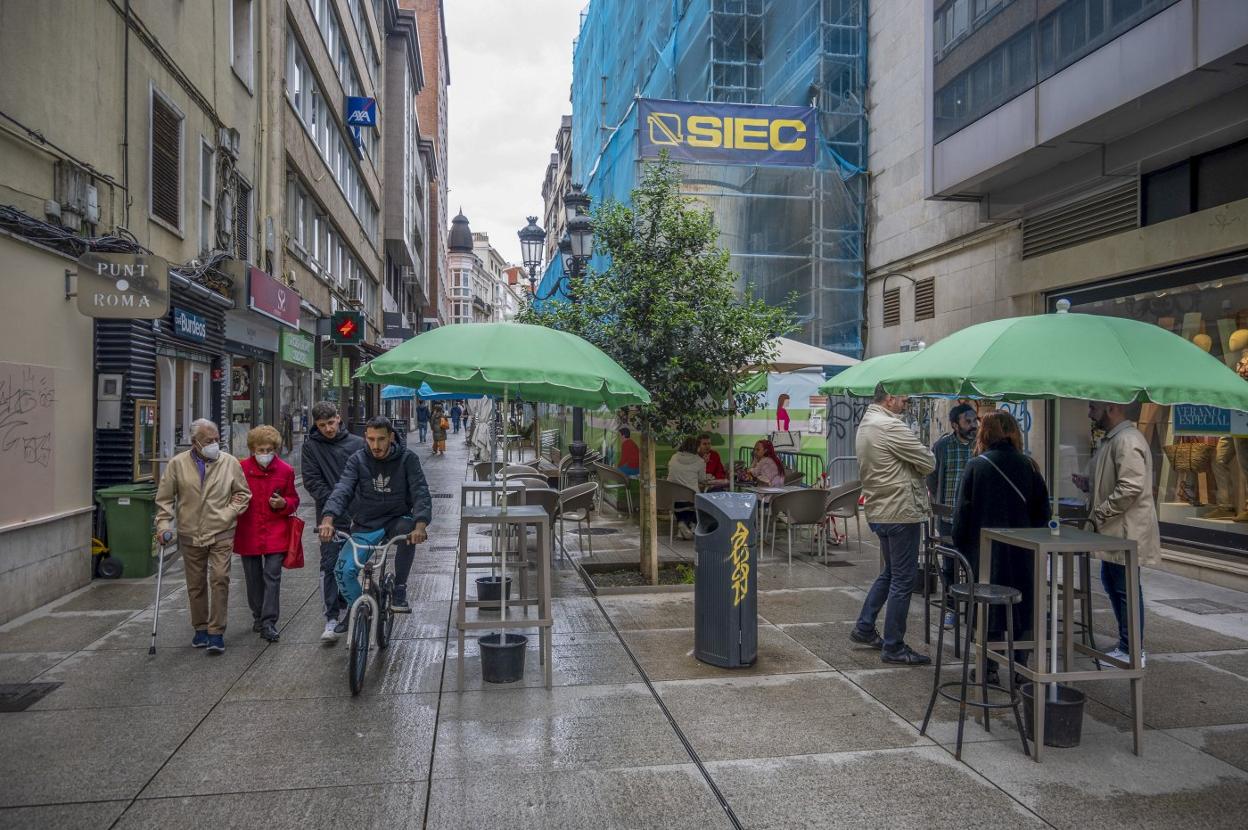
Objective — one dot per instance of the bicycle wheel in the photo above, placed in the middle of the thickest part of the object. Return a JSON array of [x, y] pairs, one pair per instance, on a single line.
[[362, 618], [385, 617]]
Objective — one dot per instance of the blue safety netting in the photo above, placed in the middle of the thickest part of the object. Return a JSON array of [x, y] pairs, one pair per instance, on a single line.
[[791, 232]]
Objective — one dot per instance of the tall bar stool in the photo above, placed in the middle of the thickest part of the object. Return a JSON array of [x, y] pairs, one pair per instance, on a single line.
[[973, 595]]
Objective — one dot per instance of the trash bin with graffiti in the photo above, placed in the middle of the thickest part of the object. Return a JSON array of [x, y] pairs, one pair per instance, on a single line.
[[725, 593]]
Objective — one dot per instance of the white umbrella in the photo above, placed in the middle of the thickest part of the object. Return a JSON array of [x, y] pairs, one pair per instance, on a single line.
[[790, 356]]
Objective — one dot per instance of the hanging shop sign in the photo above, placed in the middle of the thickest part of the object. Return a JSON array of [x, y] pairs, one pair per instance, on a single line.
[[271, 298], [298, 349], [123, 286], [715, 133], [189, 326]]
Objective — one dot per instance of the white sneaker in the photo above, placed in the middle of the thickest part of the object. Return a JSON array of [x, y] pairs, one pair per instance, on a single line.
[[1119, 654], [329, 635]]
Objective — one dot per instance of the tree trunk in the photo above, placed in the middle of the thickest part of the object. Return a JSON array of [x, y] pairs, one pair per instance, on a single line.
[[649, 517]]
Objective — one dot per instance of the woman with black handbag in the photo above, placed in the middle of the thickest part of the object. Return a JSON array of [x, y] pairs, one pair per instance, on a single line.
[[1001, 487]]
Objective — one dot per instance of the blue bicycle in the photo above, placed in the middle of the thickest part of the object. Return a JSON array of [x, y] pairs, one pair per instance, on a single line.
[[370, 615]]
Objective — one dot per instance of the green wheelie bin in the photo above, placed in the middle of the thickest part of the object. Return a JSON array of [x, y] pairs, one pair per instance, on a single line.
[[130, 518]]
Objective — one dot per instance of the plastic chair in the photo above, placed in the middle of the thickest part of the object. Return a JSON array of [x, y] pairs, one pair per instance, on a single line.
[[484, 470], [962, 588], [843, 504], [612, 480], [521, 470], [577, 504], [800, 508], [667, 494], [794, 477]]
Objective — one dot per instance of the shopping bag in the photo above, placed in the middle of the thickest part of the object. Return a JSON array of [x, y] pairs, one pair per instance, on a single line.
[[294, 544]]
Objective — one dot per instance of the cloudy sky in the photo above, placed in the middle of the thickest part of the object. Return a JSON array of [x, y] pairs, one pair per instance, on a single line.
[[511, 72]]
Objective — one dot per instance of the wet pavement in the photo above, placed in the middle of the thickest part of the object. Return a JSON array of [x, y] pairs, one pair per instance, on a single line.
[[635, 732]]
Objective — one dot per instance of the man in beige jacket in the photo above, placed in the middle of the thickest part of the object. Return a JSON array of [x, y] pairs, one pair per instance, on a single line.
[[206, 490], [893, 465], [1121, 504]]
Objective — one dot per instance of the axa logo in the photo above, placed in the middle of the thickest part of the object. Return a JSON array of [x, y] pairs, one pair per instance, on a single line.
[[381, 484], [728, 132], [358, 116]]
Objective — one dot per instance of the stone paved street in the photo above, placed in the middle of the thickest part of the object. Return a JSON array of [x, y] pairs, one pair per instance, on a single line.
[[634, 734]]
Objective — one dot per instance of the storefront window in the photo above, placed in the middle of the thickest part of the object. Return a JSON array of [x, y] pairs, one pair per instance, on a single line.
[[1200, 455]]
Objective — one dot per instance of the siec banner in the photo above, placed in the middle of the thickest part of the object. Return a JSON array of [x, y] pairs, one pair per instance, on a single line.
[[711, 133]]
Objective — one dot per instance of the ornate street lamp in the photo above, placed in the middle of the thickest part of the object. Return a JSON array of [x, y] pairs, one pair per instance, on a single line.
[[532, 241]]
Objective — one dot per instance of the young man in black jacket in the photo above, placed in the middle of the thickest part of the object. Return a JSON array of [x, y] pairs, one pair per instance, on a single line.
[[325, 455], [382, 486]]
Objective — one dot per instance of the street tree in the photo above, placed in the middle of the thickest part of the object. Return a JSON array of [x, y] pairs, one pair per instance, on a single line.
[[667, 309]]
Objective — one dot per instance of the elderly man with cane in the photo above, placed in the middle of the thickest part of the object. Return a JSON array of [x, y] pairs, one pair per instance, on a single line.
[[205, 490]]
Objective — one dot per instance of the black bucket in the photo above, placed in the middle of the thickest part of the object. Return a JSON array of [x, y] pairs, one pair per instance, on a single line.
[[1063, 718], [487, 588], [502, 663]]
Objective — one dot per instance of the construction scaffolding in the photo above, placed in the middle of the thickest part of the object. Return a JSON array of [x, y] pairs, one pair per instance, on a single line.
[[792, 232]]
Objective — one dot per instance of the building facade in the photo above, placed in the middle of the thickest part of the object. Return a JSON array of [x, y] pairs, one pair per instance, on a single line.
[[212, 137], [431, 109], [556, 183], [795, 233], [1025, 151]]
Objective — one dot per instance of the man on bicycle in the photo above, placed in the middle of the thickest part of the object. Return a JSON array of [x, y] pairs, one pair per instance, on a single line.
[[387, 490]]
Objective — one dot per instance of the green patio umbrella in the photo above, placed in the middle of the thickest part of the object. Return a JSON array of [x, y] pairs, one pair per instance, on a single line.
[[1066, 355], [534, 363], [514, 360], [861, 380]]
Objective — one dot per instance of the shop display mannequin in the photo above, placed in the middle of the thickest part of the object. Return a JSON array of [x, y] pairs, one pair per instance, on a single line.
[[1232, 453]]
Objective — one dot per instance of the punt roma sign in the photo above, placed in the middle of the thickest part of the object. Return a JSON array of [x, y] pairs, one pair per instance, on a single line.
[[123, 286]]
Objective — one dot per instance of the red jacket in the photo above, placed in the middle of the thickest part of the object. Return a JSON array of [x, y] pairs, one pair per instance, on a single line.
[[261, 529], [715, 466]]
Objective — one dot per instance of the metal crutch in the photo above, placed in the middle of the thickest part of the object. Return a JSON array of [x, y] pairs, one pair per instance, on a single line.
[[160, 569]]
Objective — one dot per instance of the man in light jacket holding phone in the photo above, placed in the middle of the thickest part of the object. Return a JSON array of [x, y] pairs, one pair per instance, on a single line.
[[206, 490]]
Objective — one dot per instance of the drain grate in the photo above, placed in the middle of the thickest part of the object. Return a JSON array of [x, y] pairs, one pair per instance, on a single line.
[[1202, 606], [18, 697], [442, 495], [603, 531], [443, 549]]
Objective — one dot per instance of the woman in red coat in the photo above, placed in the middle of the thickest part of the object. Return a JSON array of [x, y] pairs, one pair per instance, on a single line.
[[263, 532]]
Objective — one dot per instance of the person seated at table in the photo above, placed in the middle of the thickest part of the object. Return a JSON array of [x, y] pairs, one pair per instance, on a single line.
[[1001, 487], [767, 469], [714, 464], [630, 453], [686, 467]]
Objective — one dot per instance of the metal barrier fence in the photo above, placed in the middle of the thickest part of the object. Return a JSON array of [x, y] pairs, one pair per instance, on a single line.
[[808, 464]]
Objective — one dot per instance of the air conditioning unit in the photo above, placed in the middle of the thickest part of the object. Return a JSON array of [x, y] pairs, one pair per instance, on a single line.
[[229, 141], [355, 290], [76, 196]]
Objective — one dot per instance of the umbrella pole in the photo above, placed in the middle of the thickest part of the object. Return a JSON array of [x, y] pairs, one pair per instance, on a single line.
[[732, 450], [1057, 484], [502, 583]]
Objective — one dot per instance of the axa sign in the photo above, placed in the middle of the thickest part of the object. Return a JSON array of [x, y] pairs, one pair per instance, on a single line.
[[123, 286], [710, 133], [361, 112]]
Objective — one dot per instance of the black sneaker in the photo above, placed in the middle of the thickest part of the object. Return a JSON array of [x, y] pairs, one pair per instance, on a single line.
[[905, 656], [341, 627], [257, 626], [867, 638], [269, 632], [398, 602]]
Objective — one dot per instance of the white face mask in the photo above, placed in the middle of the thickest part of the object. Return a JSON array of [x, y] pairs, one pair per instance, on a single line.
[[264, 458], [210, 451]]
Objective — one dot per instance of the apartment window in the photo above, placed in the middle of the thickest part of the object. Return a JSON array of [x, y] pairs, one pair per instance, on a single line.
[[166, 166], [1201, 182], [206, 157], [892, 307], [242, 221], [241, 39]]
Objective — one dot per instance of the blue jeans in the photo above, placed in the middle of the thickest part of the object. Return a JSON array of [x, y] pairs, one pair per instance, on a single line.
[[1114, 580], [332, 601], [899, 543], [423, 428]]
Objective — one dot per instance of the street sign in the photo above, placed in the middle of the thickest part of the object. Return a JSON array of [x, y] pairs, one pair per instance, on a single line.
[[123, 286], [346, 328], [361, 112]]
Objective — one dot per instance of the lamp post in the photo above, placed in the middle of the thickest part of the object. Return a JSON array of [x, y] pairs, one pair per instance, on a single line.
[[532, 240], [579, 240]]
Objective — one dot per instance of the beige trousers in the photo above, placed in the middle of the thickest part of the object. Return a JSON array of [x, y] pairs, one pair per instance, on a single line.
[[208, 569]]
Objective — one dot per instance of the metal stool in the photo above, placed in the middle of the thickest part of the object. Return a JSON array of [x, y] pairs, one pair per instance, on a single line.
[[974, 595]]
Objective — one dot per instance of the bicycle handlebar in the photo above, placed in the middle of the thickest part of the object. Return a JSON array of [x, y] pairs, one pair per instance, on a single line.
[[384, 547]]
